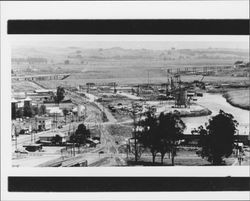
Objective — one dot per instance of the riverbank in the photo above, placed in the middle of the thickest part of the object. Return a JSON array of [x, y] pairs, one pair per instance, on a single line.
[[194, 110], [196, 113], [239, 98]]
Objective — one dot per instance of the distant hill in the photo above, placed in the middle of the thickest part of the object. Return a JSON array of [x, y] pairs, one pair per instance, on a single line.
[[60, 54]]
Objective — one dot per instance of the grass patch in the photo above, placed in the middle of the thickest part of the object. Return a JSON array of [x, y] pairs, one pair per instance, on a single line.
[[238, 98]]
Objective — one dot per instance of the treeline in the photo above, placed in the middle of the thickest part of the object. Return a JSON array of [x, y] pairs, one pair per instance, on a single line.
[[163, 134]]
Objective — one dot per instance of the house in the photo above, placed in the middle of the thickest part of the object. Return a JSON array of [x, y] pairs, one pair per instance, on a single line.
[[54, 111], [44, 123], [49, 138]]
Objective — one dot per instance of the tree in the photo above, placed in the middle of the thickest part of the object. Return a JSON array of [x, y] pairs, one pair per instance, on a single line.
[[80, 136], [149, 136], [65, 113], [19, 113], [171, 128], [35, 110], [27, 110], [42, 110], [238, 62], [161, 134], [60, 94], [57, 140], [203, 141], [218, 140]]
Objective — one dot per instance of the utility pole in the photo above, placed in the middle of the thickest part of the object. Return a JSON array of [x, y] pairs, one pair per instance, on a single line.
[[35, 129], [31, 138], [74, 153], [138, 90], [135, 131], [148, 78], [16, 138], [56, 121]]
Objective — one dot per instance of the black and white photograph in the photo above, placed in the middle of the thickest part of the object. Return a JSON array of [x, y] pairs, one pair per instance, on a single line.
[[117, 100], [130, 103]]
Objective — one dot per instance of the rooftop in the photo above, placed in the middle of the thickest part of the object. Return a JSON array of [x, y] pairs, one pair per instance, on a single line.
[[53, 134]]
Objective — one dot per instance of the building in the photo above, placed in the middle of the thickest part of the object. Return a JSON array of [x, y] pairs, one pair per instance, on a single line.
[[49, 138], [44, 123], [33, 147], [54, 111]]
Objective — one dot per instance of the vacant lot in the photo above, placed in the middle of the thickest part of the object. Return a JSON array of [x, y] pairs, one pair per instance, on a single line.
[[24, 86]]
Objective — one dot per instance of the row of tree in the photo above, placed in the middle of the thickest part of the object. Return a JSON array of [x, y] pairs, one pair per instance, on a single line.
[[164, 133], [161, 134], [29, 111]]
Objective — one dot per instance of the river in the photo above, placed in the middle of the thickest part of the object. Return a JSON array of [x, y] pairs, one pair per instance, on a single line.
[[216, 102]]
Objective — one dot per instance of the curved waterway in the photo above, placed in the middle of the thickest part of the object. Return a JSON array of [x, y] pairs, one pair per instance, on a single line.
[[216, 102]]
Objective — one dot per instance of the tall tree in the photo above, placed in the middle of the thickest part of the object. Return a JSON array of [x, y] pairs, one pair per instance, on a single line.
[[27, 110], [218, 141], [35, 110], [19, 113], [171, 128], [60, 94], [149, 136], [80, 136], [161, 134], [42, 110]]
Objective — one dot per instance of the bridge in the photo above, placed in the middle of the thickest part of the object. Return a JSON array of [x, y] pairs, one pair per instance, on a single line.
[[197, 69], [40, 77]]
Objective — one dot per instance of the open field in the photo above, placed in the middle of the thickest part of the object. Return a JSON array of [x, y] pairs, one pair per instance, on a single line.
[[24, 86], [239, 98], [124, 66], [75, 80], [186, 156]]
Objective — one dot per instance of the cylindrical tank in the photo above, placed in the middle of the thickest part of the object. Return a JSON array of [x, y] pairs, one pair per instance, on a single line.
[[181, 97]]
